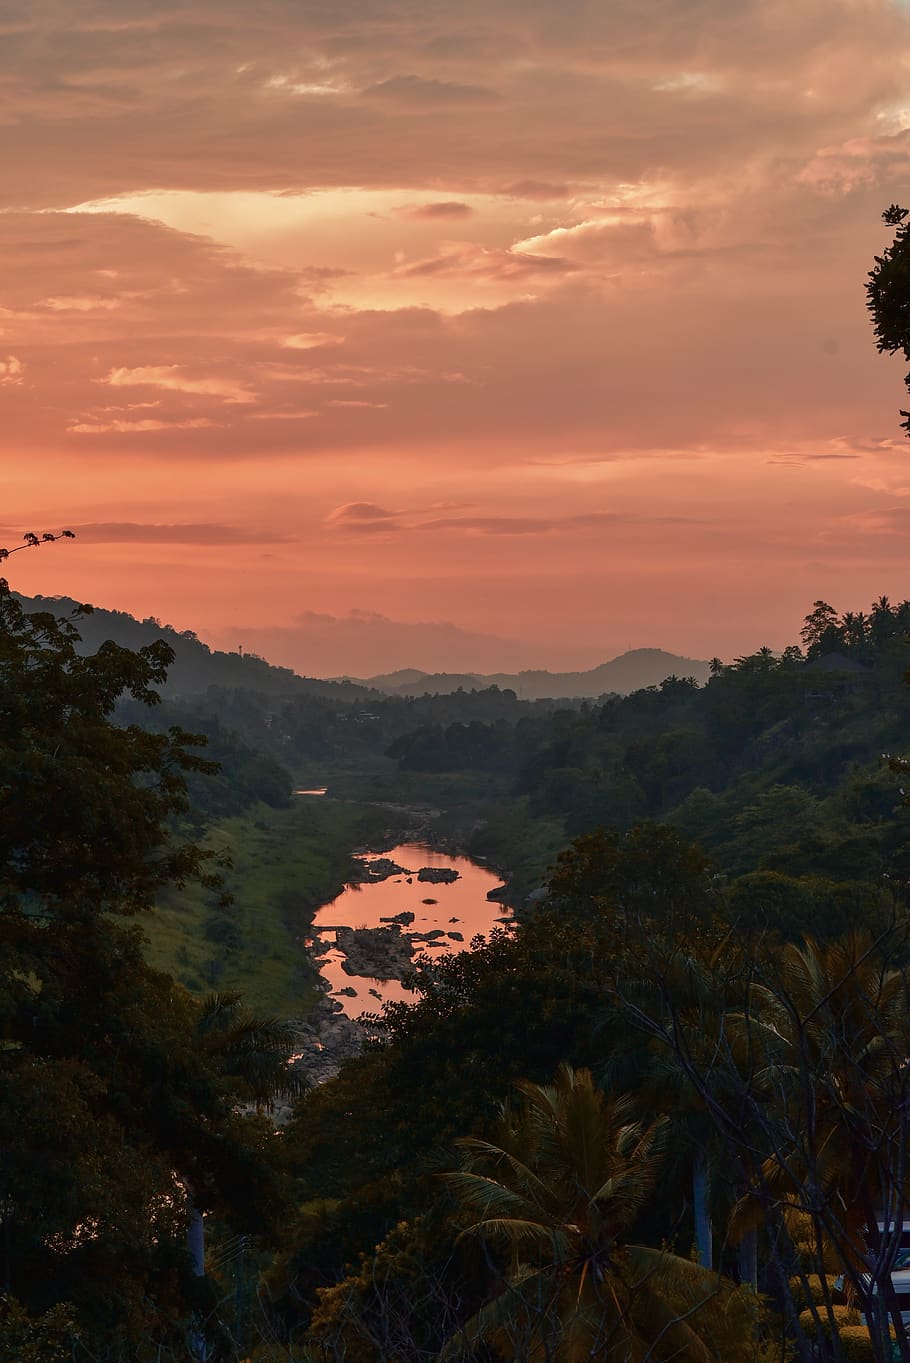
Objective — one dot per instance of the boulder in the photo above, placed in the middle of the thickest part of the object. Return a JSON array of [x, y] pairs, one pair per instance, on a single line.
[[438, 875], [323, 1041], [376, 953], [380, 868]]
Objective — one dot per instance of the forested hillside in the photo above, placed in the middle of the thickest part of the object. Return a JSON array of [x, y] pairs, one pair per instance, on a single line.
[[776, 764], [196, 667]]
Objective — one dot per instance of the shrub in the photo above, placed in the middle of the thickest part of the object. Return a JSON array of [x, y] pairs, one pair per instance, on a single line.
[[856, 1344], [845, 1317], [811, 1291]]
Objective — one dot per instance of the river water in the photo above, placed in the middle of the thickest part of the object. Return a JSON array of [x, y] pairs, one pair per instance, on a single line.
[[459, 907]]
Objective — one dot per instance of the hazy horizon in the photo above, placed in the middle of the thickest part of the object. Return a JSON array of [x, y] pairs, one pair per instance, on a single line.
[[313, 646], [364, 644]]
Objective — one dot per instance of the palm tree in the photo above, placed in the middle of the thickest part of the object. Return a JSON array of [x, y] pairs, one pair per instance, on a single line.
[[560, 1191], [250, 1054], [829, 1037], [641, 1062], [250, 1050], [856, 626], [882, 621]]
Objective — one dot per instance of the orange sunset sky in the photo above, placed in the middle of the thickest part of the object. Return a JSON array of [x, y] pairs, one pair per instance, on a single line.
[[378, 333]]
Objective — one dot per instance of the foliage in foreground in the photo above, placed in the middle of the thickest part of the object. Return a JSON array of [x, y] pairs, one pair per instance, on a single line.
[[117, 1100]]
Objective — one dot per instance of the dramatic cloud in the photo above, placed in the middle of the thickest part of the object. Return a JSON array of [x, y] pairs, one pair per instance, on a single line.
[[541, 312]]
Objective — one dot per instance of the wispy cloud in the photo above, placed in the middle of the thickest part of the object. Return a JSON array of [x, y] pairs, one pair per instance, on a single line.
[[432, 212], [470, 260], [364, 518], [419, 92], [12, 371], [203, 533], [175, 379], [133, 426]]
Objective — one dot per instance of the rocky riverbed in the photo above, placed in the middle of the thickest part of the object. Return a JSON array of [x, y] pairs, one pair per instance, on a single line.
[[410, 899], [385, 953], [377, 869], [362, 963]]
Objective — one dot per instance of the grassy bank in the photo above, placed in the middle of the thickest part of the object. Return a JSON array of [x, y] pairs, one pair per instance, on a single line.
[[285, 864]]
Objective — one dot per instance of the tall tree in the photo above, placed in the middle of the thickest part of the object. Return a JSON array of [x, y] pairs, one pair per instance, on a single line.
[[822, 631], [89, 834], [559, 1193], [804, 1075], [888, 293]]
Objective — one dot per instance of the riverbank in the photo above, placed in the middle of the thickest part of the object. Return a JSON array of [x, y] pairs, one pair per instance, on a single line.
[[285, 863], [410, 900]]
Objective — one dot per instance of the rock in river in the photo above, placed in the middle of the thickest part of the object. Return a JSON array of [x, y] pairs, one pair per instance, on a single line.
[[438, 875], [377, 953]]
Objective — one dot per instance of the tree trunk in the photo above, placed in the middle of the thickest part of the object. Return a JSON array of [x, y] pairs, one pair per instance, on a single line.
[[195, 1237], [748, 1259], [702, 1211]]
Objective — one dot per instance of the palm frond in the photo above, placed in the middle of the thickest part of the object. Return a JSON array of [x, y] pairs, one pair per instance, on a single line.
[[509, 1316], [481, 1194]]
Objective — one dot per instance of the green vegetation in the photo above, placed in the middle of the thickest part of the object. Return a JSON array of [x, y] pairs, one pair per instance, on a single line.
[[774, 766], [284, 863], [120, 1123]]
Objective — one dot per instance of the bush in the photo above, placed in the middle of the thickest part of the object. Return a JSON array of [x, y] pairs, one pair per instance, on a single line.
[[811, 1291], [845, 1317], [856, 1344]]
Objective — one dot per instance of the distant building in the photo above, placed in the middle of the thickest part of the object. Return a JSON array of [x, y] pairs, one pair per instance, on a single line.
[[839, 662], [833, 675]]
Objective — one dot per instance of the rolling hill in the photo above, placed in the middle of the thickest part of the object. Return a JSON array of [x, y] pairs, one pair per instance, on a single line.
[[631, 671]]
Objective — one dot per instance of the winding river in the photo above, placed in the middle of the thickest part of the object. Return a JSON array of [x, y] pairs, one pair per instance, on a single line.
[[458, 909]]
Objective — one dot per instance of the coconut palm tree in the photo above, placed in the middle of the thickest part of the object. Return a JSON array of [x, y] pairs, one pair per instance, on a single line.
[[829, 1038], [559, 1192], [251, 1055]]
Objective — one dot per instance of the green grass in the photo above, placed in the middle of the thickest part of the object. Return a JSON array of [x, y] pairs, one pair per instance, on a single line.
[[520, 845], [285, 864]]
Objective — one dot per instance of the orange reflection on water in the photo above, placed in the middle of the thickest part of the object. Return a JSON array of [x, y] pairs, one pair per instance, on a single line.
[[461, 907]]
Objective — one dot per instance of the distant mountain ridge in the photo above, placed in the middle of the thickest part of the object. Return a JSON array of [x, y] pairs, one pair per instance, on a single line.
[[196, 666], [630, 671]]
